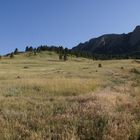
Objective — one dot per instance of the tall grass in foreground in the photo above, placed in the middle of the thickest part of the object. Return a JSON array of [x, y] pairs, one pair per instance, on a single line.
[[105, 115], [66, 87]]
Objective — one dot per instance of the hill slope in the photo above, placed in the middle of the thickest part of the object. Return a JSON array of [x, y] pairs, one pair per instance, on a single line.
[[43, 98]]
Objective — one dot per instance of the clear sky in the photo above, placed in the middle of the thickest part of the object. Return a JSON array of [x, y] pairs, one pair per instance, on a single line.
[[63, 22]]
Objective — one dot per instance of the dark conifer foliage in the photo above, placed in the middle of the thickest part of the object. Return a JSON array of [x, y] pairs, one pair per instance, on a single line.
[[16, 51], [65, 54], [35, 51], [12, 55], [26, 49], [60, 53], [30, 49]]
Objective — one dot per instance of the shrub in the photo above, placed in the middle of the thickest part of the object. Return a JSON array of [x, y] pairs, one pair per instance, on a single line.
[[134, 70], [26, 67], [99, 65]]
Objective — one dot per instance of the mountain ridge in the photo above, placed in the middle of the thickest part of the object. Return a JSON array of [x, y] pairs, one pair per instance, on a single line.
[[112, 44]]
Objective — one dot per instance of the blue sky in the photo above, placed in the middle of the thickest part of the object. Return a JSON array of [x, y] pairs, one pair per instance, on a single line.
[[63, 22]]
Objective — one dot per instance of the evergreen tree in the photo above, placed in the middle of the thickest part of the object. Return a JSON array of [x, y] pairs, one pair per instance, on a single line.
[[16, 51], [65, 57], [60, 52], [30, 49], [35, 51], [27, 49], [12, 55], [65, 54]]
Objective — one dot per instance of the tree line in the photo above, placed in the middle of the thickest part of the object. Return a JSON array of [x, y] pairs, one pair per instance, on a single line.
[[64, 53]]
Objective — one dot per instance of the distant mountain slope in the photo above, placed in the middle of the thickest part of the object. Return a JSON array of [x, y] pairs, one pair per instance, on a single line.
[[113, 44]]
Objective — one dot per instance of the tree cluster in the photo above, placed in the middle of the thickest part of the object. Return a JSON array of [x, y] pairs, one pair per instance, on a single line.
[[63, 53], [105, 56]]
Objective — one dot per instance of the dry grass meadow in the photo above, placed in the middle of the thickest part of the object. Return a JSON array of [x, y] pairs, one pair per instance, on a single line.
[[42, 98]]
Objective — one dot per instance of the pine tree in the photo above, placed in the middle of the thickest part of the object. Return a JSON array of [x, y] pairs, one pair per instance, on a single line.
[[16, 51], [35, 51], [60, 52], [65, 57], [30, 49], [60, 56], [65, 54], [12, 55], [27, 49]]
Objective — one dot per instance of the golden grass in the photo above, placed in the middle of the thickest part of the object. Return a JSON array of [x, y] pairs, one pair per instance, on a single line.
[[42, 98]]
